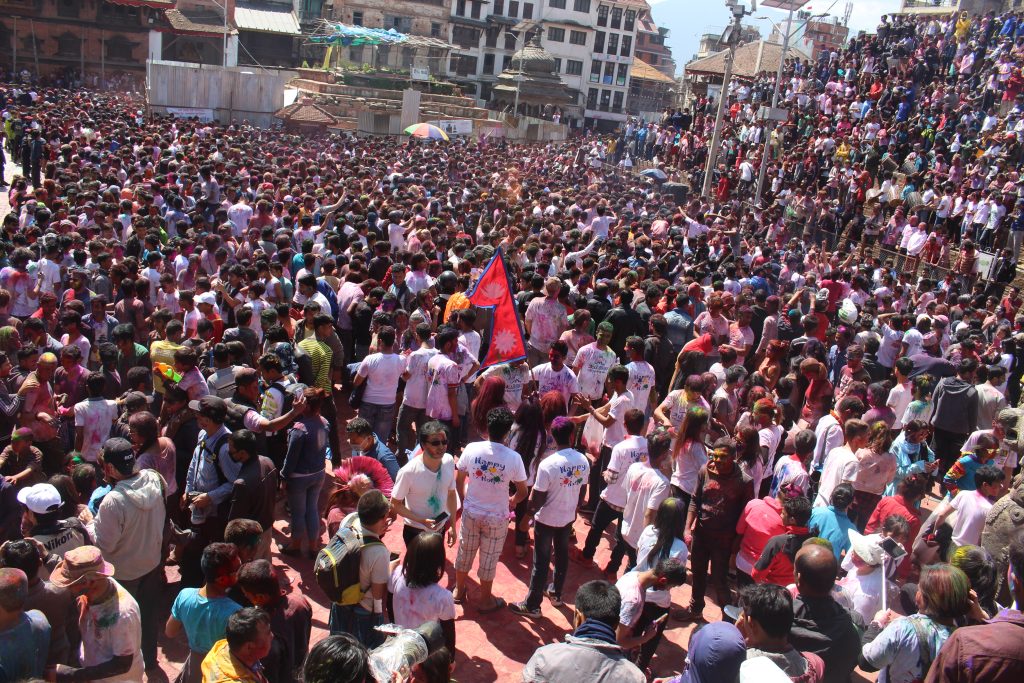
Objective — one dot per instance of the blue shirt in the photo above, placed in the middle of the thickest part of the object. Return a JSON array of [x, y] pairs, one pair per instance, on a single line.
[[833, 526], [205, 620], [24, 647]]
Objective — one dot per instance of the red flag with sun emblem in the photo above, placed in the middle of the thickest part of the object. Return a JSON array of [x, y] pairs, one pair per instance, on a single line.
[[494, 291]]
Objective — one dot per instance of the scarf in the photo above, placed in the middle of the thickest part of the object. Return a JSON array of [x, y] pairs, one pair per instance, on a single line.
[[596, 630]]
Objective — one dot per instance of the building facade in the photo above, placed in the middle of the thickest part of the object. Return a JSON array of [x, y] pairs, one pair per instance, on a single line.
[[651, 45], [825, 34], [106, 40]]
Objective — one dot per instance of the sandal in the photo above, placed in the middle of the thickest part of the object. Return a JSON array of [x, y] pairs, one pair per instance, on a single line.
[[458, 599], [499, 604]]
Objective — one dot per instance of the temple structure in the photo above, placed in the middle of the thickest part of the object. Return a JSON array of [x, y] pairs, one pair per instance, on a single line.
[[533, 74]]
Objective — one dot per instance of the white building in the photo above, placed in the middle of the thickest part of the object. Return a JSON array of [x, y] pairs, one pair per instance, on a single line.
[[592, 41]]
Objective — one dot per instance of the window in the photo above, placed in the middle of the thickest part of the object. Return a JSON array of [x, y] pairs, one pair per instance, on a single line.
[[510, 40], [69, 10], [118, 48], [513, 8], [630, 20], [527, 10], [506, 61], [558, 65], [574, 67], [355, 54], [617, 100], [592, 98], [435, 29], [581, 6], [602, 15], [485, 91], [613, 43], [69, 45], [609, 73], [357, 18], [654, 59], [465, 37], [491, 36], [463, 65], [606, 99], [616, 17], [557, 4], [499, 7], [620, 79], [627, 45], [578, 37], [460, 8], [474, 11], [488, 63], [556, 35], [407, 57], [595, 71], [599, 41]]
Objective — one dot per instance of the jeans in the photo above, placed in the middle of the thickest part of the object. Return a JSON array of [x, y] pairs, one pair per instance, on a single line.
[[596, 483], [713, 549], [603, 516], [148, 590], [407, 417], [381, 418], [358, 623], [545, 537], [647, 617], [303, 493]]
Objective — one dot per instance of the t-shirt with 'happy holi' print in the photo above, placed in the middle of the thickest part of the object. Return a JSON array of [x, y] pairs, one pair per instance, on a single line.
[[442, 372], [561, 475], [490, 467]]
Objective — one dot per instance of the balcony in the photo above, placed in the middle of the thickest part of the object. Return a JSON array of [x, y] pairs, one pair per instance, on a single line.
[[925, 6]]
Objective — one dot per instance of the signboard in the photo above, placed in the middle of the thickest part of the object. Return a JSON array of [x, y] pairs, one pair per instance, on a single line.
[[776, 114], [419, 73], [454, 126], [202, 114]]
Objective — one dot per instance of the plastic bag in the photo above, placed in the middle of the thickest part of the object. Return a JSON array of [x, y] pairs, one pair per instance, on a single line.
[[398, 655], [593, 435]]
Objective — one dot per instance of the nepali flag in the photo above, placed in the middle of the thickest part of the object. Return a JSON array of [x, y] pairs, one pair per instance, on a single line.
[[494, 291]]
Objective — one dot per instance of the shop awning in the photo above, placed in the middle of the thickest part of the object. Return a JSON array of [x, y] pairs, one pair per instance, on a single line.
[[249, 18]]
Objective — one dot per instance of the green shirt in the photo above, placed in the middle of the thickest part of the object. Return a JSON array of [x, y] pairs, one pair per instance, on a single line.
[[320, 354]]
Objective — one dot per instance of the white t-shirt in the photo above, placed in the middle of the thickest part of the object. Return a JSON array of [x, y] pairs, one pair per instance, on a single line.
[[628, 451], [617, 407], [632, 605], [675, 406], [900, 397], [49, 276], [593, 364], [416, 606], [442, 372], [770, 437], [641, 379], [678, 551], [914, 341], [515, 379], [971, 507], [562, 474], [94, 416], [841, 466], [646, 487], [490, 467], [382, 372], [686, 465], [415, 395], [424, 492], [563, 381]]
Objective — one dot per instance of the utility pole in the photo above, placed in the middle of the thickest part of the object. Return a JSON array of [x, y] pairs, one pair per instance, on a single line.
[[731, 37], [775, 103]]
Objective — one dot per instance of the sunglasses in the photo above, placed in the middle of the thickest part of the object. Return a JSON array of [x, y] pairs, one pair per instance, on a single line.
[[438, 442]]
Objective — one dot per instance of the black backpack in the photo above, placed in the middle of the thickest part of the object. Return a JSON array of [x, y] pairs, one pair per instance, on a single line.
[[337, 565]]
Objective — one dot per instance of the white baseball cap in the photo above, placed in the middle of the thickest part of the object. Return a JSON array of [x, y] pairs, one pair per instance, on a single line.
[[207, 298], [40, 498]]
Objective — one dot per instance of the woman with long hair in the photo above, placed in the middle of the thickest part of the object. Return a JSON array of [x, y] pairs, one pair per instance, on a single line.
[[772, 365], [491, 394], [153, 451], [689, 453], [661, 540], [303, 473], [748, 448], [942, 595], [529, 439], [417, 597], [876, 468]]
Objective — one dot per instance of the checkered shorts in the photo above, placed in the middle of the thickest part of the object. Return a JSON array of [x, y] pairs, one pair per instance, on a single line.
[[486, 534]]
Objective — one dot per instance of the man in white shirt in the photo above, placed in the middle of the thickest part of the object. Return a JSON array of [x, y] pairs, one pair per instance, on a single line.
[[610, 416], [239, 214], [557, 493], [972, 506], [414, 398], [841, 465], [647, 485], [425, 487], [485, 471]]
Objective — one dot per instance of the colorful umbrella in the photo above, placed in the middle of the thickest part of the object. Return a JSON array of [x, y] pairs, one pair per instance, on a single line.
[[426, 131]]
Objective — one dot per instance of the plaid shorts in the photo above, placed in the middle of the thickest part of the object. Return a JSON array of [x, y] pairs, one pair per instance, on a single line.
[[486, 534]]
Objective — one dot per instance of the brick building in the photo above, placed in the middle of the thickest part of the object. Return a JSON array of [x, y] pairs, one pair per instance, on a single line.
[[106, 39]]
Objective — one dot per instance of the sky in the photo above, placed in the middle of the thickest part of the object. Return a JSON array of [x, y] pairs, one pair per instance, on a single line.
[[689, 19]]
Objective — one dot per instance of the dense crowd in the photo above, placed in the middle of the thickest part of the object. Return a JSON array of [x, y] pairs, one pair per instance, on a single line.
[[822, 432]]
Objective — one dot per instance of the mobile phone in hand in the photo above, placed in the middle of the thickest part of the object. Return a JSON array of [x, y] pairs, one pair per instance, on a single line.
[[441, 520]]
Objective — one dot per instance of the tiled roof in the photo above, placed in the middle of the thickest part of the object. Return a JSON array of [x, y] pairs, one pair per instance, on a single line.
[[203, 23], [283, 22], [645, 71], [751, 59], [305, 112]]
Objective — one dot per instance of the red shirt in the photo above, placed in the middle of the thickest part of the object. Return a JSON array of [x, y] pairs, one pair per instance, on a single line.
[[760, 522], [896, 505]]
